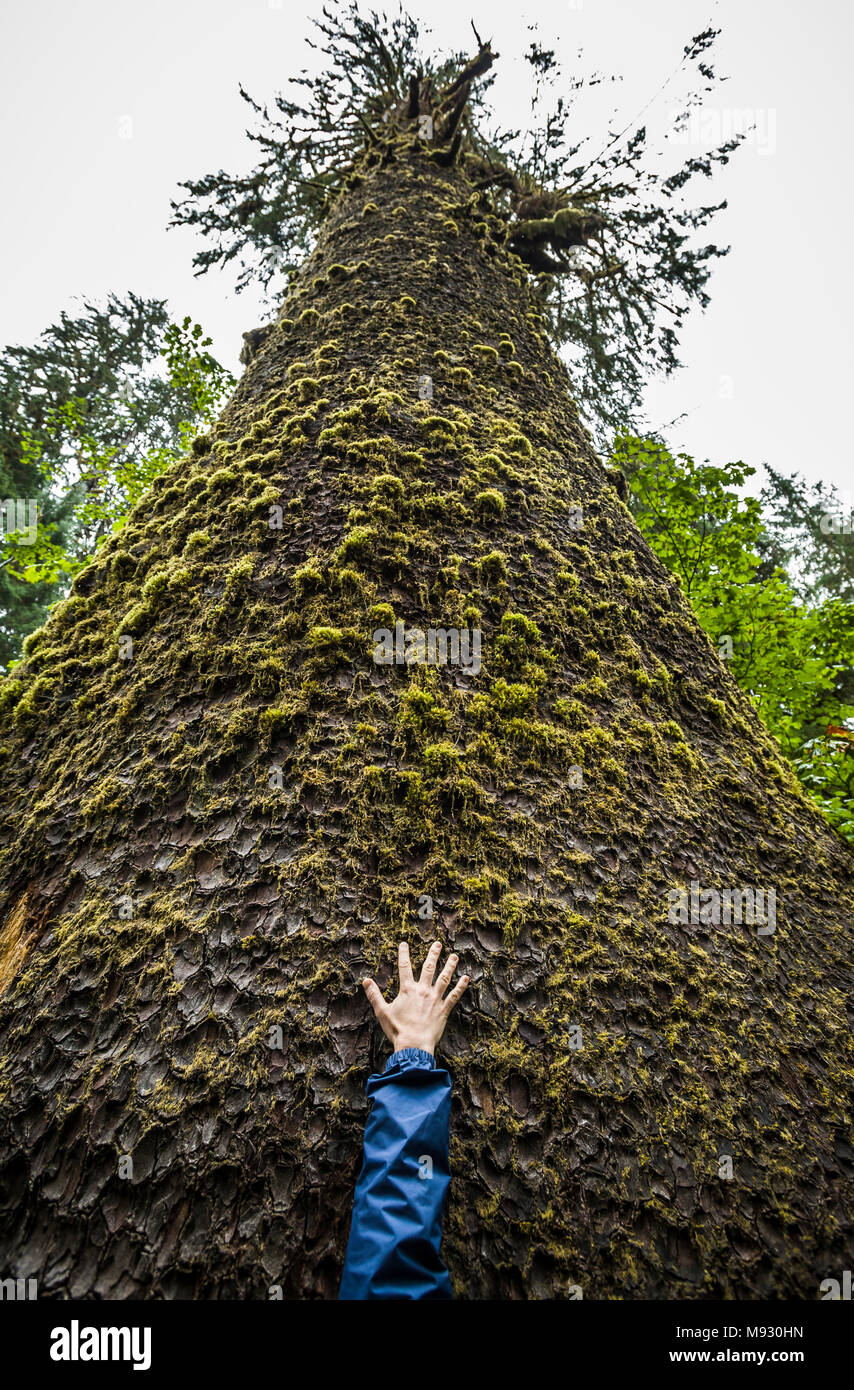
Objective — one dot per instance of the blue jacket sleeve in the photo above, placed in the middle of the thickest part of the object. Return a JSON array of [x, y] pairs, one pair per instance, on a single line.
[[393, 1250]]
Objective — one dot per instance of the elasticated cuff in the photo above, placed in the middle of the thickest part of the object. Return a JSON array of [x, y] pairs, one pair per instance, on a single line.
[[409, 1057]]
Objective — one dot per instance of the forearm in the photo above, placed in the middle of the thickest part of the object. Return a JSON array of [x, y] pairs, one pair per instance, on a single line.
[[393, 1250]]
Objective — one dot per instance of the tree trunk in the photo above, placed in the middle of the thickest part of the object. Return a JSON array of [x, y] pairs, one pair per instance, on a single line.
[[215, 836]]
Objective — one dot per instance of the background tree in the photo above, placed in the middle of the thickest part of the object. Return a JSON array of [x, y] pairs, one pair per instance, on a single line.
[[23, 605], [89, 416], [768, 596], [810, 532], [220, 812]]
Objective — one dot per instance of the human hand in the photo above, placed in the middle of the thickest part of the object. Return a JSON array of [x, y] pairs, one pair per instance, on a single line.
[[417, 1017]]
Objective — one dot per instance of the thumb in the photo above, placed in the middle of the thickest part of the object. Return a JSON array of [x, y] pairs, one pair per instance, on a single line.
[[375, 996]]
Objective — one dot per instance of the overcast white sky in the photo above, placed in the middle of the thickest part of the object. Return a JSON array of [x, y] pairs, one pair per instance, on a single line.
[[768, 367]]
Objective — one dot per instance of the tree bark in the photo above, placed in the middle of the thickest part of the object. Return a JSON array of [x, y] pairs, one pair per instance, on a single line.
[[219, 836]]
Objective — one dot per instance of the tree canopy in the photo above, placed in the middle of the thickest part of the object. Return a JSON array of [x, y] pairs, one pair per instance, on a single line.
[[607, 227]]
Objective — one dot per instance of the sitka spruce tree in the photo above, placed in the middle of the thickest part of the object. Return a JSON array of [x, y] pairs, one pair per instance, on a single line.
[[237, 771]]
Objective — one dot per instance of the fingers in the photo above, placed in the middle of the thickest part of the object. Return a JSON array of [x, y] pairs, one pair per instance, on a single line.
[[431, 960], [456, 994], [404, 965], [447, 974], [375, 997]]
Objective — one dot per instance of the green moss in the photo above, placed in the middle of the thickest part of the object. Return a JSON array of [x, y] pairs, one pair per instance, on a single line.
[[326, 637], [442, 430], [513, 698], [572, 713], [490, 503], [388, 485], [566, 582], [238, 577], [382, 615], [441, 759], [461, 376], [223, 478], [358, 544], [493, 567], [197, 543], [307, 388]]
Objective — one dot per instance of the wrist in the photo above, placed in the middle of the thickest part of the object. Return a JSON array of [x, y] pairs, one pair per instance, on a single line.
[[418, 1041]]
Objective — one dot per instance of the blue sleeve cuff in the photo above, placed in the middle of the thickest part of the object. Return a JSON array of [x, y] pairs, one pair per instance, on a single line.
[[409, 1057]]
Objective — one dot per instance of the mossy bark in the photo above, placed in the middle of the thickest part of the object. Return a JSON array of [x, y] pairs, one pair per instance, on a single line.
[[220, 834]]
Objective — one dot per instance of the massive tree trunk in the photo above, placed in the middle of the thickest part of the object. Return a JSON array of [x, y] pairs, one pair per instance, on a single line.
[[214, 832]]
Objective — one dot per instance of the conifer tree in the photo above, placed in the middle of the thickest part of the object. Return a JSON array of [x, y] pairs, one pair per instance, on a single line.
[[221, 811]]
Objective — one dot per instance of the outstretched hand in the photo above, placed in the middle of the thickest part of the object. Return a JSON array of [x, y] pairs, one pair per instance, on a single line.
[[417, 1017]]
